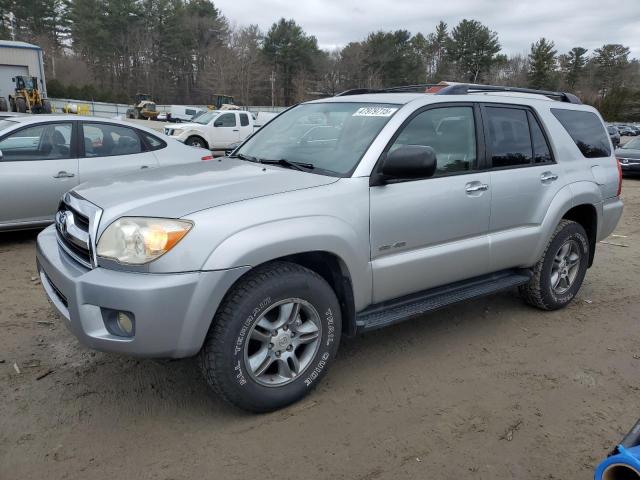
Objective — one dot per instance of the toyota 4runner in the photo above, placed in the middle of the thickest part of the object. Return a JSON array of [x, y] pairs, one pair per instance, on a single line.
[[341, 215]]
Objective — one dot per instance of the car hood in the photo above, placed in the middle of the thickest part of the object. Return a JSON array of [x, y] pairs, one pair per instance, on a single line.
[[627, 153], [179, 190], [188, 126]]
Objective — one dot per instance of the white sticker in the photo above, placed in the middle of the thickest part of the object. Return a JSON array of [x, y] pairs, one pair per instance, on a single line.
[[374, 112]]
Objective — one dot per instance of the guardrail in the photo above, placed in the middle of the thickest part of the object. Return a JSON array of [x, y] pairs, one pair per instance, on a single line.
[[110, 110]]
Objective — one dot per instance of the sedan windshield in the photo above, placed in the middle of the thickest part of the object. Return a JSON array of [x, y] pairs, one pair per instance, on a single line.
[[328, 137], [633, 144]]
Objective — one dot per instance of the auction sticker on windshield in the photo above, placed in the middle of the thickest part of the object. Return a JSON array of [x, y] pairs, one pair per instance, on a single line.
[[374, 112]]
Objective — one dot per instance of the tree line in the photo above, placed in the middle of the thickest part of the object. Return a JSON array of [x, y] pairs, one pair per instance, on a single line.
[[186, 51]]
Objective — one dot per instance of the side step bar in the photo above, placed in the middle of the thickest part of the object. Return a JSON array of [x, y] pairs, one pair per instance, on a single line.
[[404, 308]]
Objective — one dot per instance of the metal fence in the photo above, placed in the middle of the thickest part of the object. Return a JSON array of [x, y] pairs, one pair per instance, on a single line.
[[110, 110]]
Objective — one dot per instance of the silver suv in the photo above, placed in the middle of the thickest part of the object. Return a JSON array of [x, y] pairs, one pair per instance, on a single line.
[[341, 215]]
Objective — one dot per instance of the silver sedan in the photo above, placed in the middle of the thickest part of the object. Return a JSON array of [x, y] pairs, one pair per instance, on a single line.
[[43, 156]]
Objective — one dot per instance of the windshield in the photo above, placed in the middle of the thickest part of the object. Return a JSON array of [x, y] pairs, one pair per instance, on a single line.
[[4, 124], [205, 117], [332, 136], [633, 144]]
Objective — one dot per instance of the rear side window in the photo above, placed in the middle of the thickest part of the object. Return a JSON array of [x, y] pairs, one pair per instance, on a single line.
[[541, 150], [509, 137], [104, 140], [586, 130], [244, 119], [154, 143]]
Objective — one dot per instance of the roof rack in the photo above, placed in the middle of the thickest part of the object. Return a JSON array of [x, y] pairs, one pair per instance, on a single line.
[[462, 89]]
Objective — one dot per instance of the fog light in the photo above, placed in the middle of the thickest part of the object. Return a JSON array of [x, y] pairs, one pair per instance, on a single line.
[[124, 323]]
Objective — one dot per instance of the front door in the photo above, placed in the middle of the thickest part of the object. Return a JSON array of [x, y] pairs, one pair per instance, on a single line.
[[37, 167], [111, 149], [430, 232], [226, 131]]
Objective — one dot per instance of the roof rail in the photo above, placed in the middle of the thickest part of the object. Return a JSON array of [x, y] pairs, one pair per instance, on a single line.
[[464, 89]]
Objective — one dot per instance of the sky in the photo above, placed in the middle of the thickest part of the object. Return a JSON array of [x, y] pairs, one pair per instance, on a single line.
[[569, 23]]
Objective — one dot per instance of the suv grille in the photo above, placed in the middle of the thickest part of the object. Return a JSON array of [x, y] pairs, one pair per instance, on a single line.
[[76, 222]]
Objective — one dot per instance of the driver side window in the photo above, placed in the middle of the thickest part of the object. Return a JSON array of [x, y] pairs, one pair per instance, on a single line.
[[226, 120], [450, 131]]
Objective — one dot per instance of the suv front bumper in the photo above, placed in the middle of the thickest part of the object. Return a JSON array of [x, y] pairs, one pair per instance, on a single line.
[[172, 312]]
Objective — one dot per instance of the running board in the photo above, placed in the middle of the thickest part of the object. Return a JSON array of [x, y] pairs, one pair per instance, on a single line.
[[404, 308]]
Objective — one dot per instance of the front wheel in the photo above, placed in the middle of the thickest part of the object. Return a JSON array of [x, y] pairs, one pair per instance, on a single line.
[[273, 337], [196, 142], [559, 273]]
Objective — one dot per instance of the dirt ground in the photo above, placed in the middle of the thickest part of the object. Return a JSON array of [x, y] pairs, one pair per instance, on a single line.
[[491, 389]]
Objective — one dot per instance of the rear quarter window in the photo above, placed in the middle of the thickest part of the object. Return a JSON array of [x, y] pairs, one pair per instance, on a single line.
[[586, 130]]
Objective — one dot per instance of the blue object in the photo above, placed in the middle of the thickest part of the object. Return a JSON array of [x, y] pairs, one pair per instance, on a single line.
[[624, 462]]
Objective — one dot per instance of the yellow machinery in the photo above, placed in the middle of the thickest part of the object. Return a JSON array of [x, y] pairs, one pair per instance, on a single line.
[[143, 108], [27, 97]]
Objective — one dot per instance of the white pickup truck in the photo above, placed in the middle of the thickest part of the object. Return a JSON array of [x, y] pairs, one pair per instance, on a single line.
[[215, 130]]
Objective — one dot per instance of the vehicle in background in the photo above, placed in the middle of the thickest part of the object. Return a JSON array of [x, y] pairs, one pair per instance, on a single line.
[[626, 131], [180, 114], [629, 156], [614, 135], [43, 157], [144, 107], [215, 130], [262, 118], [27, 97], [219, 101]]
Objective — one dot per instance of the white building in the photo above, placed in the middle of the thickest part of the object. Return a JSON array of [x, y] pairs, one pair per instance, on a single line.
[[20, 58]]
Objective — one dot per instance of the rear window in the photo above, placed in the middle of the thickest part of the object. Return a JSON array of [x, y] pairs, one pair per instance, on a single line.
[[586, 130]]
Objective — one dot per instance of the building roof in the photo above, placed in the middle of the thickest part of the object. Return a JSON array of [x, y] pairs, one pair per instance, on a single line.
[[14, 44]]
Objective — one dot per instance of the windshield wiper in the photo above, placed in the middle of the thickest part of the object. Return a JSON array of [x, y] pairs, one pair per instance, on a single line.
[[242, 156], [288, 164]]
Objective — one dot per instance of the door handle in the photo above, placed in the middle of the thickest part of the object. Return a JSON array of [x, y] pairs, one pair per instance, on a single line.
[[144, 166], [548, 177], [63, 174], [476, 187], [236, 130]]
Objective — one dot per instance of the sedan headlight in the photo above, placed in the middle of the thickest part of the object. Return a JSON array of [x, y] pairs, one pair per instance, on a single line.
[[177, 131], [137, 240]]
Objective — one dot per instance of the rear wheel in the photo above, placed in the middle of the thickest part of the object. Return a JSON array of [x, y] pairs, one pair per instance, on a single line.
[[46, 106], [3, 104], [273, 337], [195, 141], [558, 275], [21, 105]]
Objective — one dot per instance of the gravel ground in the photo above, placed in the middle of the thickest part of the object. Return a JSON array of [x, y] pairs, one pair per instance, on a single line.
[[491, 389]]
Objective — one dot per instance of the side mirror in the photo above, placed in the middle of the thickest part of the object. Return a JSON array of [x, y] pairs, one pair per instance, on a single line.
[[412, 161], [1, 155]]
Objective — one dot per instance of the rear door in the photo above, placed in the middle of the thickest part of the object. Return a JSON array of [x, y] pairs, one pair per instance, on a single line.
[[524, 180], [108, 149], [38, 165]]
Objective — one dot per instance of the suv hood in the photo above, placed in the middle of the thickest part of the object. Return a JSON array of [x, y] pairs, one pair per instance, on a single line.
[[179, 190]]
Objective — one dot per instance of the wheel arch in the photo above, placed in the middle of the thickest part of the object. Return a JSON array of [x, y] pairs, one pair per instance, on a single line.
[[197, 135], [587, 216]]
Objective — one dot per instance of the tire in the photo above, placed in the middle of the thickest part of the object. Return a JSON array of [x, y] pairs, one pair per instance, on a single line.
[[195, 141], [3, 104], [21, 105], [559, 273], [244, 328], [46, 106]]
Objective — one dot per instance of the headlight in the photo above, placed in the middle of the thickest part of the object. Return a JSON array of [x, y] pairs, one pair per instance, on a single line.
[[136, 240], [177, 131]]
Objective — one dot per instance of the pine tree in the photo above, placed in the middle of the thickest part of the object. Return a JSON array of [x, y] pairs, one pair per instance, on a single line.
[[542, 65]]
